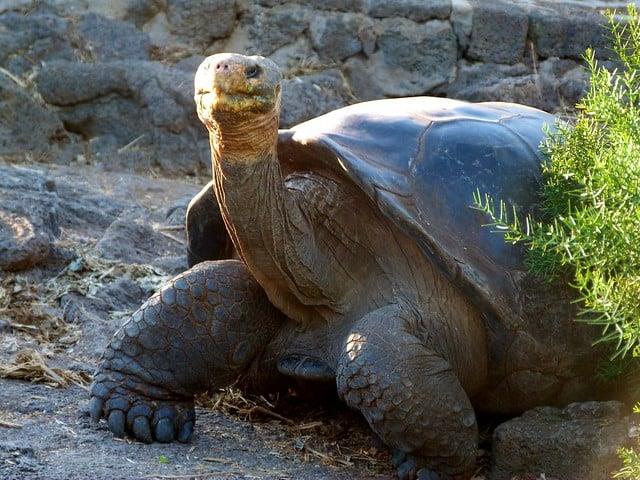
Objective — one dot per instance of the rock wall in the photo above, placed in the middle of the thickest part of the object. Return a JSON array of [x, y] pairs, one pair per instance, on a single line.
[[89, 81]]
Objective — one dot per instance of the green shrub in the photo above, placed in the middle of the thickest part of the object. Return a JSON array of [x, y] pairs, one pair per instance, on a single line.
[[588, 228], [630, 461]]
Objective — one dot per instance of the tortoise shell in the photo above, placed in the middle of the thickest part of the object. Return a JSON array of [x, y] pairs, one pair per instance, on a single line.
[[420, 160]]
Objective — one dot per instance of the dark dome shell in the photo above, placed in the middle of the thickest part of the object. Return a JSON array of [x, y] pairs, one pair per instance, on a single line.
[[420, 160]]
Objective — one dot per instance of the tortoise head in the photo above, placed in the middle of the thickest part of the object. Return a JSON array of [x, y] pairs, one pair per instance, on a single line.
[[232, 88]]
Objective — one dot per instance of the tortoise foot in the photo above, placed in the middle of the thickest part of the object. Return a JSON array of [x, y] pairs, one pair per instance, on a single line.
[[146, 413], [408, 467]]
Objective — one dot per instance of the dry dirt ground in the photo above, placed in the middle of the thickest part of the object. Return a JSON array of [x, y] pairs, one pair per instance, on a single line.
[[115, 237], [53, 438]]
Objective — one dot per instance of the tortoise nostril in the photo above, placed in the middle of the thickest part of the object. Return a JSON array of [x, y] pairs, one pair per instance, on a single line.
[[222, 66]]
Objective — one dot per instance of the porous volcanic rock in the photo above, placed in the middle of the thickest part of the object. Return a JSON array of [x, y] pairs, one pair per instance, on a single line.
[[579, 442]]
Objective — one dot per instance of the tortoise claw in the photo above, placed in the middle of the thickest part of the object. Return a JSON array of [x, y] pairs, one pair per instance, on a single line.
[[186, 432], [144, 418], [95, 409], [116, 423], [164, 431], [141, 429]]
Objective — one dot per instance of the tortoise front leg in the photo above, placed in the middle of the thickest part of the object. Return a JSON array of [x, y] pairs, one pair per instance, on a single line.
[[409, 395], [201, 331]]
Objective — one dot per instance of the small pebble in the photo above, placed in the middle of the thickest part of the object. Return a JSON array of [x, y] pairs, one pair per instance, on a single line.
[[5, 326]]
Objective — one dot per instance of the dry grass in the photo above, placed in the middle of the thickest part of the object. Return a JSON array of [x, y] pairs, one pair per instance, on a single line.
[[29, 365], [31, 309], [310, 432]]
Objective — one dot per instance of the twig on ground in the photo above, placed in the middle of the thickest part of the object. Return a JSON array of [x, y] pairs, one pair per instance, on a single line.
[[169, 228], [7, 73], [171, 236], [131, 143], [5, 424], [259, 409], [218, 460]]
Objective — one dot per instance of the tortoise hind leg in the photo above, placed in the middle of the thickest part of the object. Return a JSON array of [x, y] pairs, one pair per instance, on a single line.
[[409, 395], [207, 237], [203, 330]]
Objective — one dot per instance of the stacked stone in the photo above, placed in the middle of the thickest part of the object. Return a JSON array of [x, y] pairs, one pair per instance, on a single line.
[[111, 82]]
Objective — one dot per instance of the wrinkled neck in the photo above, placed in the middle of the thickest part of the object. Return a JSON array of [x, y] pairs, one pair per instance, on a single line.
[[251, 193], [242, 141]]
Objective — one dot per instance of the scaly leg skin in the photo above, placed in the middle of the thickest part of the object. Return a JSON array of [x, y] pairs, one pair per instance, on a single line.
[[201, 331], [410, 397]]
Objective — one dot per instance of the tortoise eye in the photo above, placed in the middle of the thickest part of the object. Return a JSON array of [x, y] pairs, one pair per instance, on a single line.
[[252, 71]]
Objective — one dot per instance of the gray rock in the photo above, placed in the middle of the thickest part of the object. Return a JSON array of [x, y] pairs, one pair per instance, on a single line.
[[462, 21], [337, 36], [272, 28], [364, 86], [411, 58], [190, 64], [28, 128], [108, 40], [498, 32], [296, 56], [578, 442], [533, 90], [29, 219], [308, 96], [417, 10], [27, 40], [122, 294], [574, 85], [24, 240], [5, 326], [137, 12], [483, 82], [145, 106], [477, 75], [339, 5], [76, 206], [172, 265], [86, 210], [559, 31], [201, 21], [132, 239]]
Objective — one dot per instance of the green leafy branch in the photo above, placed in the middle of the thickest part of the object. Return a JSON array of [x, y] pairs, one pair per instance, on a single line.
[[588, 225]]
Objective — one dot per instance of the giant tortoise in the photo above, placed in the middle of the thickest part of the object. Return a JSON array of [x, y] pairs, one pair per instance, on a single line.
[[361, 264]]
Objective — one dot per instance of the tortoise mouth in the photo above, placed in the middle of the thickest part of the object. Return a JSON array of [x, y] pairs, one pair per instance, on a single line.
[[219, 100]]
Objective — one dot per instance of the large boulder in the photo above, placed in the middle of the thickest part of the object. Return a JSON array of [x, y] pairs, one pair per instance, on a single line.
[[29, 218], [411, 59], [43, 36], [201, 21], [498, 32], [308, 96], [579, 442], [557, 82], [337, 36], [264, 30], [135, 114], [558, 30], [416, 10], [106, 40], [27, 40], [29, 129]]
